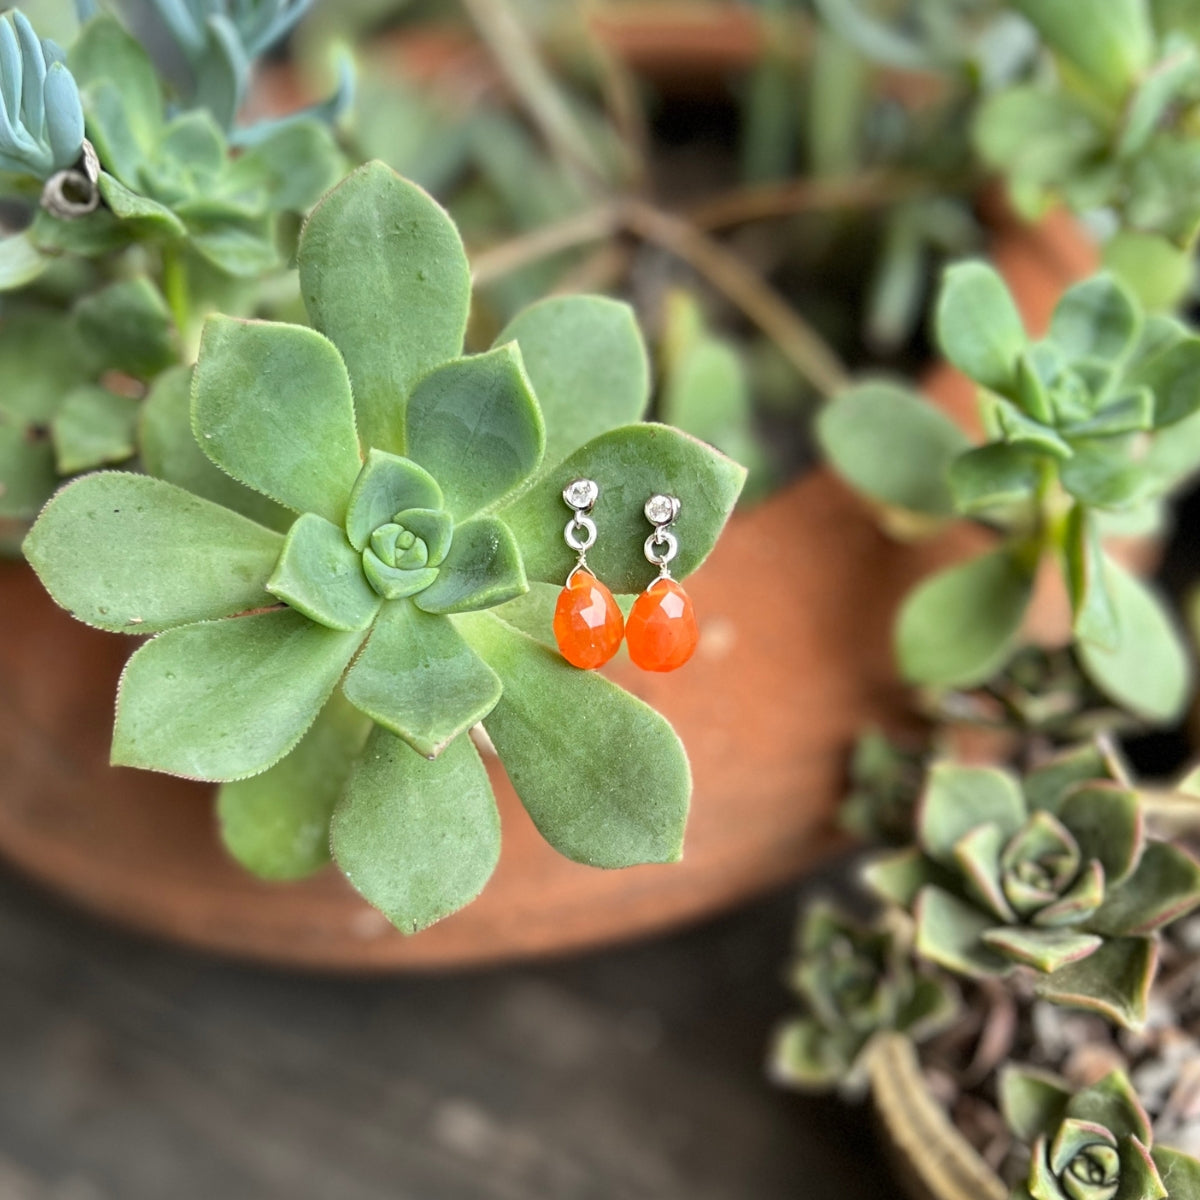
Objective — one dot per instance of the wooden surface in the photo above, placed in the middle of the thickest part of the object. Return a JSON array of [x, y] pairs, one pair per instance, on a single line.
[[129, 1071], [794, 607]]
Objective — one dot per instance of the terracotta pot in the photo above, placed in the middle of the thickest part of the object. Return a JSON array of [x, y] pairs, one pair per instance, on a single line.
[[796, 606]]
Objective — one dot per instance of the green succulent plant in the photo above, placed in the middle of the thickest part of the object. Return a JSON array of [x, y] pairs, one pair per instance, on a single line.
[[1090, 1144], [41, 118], [1109, 128], [1087, 428], [854, 981], [327, 678], [885, 781], [1053, 873]]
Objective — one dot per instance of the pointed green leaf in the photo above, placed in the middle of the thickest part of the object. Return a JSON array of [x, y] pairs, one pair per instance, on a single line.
[[418, 678], [589, 797], [960, 627], [1017, 429], [1173, 375], [386, 486], [292, 167], [169, 451], [146, 217], [321, 575], [892, 445], [1103, 474], [900, 876], [1098, 318], [224, 700], [1132, 412], [1112, 1103], [93, 427], [1033, 1102], [245, 247], [277, 824], [978, 326], [128, 326], [385, 277], [950, 933], [1114, 981], [483, 569], [977, 855], [1105, 820], [474, 424], [1149, 671], [417, 838], [1047, 784], [629, 465], [994, 476], [587, 362], [104, 52], [1164, 887], [271, 405], [136, 555], [957, 799], [1043, 949], [1095, 617]]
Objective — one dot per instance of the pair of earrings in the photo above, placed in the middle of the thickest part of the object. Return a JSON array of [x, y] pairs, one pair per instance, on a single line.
[[661, 631]]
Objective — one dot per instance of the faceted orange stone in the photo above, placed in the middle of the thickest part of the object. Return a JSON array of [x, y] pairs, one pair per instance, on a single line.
[[587, 622], [661, 632]]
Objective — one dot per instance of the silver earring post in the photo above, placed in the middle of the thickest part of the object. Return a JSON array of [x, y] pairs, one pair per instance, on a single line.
[[662, 545], [580, 531]]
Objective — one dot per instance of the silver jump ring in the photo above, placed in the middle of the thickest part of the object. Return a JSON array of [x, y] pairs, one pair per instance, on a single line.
[[661, 537], [571, 533]]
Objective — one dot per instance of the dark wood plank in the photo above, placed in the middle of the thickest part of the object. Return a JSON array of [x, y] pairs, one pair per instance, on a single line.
[[133, 1071]]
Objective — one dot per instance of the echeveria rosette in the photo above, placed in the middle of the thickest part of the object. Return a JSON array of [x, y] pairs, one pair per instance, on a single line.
[[1086, 428], [1090, 1144], [424, 488], [170, 178], [1056, 876], [854, 981]]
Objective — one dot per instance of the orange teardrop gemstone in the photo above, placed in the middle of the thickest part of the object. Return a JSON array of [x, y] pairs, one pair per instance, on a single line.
[[661, 631], [587, 622]]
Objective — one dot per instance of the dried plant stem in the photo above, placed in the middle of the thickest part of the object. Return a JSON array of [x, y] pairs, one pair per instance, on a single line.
[[803, 347]]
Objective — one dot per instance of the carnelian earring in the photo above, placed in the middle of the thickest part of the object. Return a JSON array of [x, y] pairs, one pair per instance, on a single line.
[[587, 622], [661, 631]]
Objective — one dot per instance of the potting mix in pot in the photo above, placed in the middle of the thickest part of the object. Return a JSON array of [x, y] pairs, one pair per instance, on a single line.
[[345, 411]]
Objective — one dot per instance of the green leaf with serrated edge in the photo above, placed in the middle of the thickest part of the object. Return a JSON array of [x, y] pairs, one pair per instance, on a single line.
[[629, 465], [1103, 474], [149, 218], [1114, 981], [1164, 887], [1034, 1102], [127, 325], [387, 485], [590, 801], [1110, 41], [277, 824], [417, 838], [994, 476], [223, 700], [1174, 377], [1131, 412], [135, 555], [418, 678], [1043, 949], [587, 362], [956, 799], [1098, 318], [978, 326], [169, 451], [960, 627], [93, 427], [1149, 672], [21, 261], [899, 877], [1018, 429], [1095, 619], [950, 933], [321, 575], [384, 275], [1105, 819], [474, 424], [483, 569], [893, 446], [1180, 1173], [271, 406]]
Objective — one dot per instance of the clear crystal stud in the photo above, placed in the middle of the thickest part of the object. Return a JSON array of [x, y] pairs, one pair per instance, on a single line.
[[662, 510], [581, 493]]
